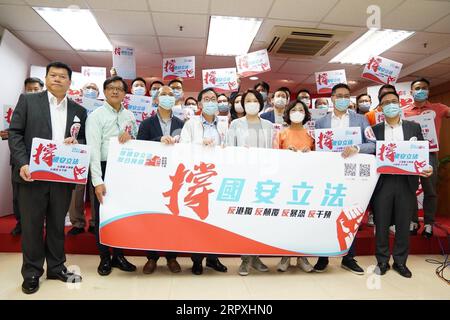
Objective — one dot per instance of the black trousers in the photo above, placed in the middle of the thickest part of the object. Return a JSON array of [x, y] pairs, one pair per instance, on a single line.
[[349, 256], [429, 186], [154, 255], [38, 202], [15, 194], [198, 257], [393, 201], [104, 250]]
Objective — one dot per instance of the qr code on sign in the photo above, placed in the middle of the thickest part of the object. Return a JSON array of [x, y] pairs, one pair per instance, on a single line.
[[364, 170], [350, 169]]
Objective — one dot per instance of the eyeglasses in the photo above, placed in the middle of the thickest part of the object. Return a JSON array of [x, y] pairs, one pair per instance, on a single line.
[[112, 88]]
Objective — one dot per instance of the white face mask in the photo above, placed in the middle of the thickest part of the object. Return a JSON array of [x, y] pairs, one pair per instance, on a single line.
[[252, 108], [238, 107], [280, 102], [306, 101], [297, 116]]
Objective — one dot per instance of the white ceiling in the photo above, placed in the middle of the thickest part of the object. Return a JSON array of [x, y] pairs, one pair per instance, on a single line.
[[152, 28]]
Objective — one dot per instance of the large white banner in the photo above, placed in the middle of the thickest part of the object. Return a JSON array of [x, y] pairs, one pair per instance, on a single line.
[[233, 200]]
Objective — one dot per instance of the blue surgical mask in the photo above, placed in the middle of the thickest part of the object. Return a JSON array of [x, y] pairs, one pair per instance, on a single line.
[[322, 106], [210, 108], [90, 93], [420, 95], [342, 104], [167, 102], [178, 94], [391, 110], [139, 91], [153, 93], [264, 95], [223, 107]]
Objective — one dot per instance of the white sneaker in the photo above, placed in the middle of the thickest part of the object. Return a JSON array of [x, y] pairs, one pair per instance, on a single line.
[[303, 263], [284, 264], [258, 265], [370, 222], [67, 222], [244, 268], [392, 229]]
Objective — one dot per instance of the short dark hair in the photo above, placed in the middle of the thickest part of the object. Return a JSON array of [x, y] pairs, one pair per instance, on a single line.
[[190, 98], [233, 112], [114, 79], [156, 82], [420, 80], [263, 84], [362, 95], [201, 93], [223, 94], [285, 89], [338, 86], [257, 95], [282, 89], [386, 93], [33, 80], [139, 79], [384, 87], [59, 65], [175, 80], [291, 106], [304, 90]]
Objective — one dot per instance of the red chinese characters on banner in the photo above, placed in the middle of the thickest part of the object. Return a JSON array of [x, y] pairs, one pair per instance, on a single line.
[[45, 153], [348, 226], [388, 152], [374, 64], [326, 140], [198, 192], [117, 51], [169, 66], [8, 115], [419, 165], [322, 79], [210, 77]]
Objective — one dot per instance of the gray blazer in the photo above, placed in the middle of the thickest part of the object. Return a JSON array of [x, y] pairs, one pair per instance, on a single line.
[[356, 120], [31, 119]]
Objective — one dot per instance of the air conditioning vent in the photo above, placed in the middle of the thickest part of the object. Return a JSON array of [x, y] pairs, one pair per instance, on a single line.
[[292, 41]]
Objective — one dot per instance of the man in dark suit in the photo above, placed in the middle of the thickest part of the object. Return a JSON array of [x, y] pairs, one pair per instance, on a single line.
[[394, 198], [162, 127], [48, 115]]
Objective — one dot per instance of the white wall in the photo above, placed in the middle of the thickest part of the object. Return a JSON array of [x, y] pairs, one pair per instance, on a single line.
[[15, 61]]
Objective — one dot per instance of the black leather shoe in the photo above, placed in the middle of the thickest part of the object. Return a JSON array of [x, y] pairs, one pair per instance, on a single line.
[[17, 230], [197, 268], [352, 266], [122, 263], [382, 268], [75, 231], [321, 264], [30, 285], [427, 231], [216, 265], [64, 276], [104, 268], [402, 270]]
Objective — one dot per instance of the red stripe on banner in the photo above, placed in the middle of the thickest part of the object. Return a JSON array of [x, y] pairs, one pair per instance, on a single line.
[[175, 233], [394, 170], [324, 90], [171, 77], [53, 177], [372, 77]]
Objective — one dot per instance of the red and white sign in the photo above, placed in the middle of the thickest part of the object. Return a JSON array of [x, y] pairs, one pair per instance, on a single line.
[[183, 68], [59, 162], [253, 63], [426, 121], [141, 106], [337, 139], [223, 80], [402, 157], [7, 113], [382, 70], [326, 80], [124, 61]]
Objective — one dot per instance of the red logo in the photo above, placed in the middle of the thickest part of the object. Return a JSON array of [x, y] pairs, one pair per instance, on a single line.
[[418, 165], [190, 73], [45, 153], [78, 172], [388, 152], [322, 79], [8, 115], [198, 192], [326, 140], [117, 51], [243, 62], [169, 66], [210, 77], [374, 64], [347, 227]]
